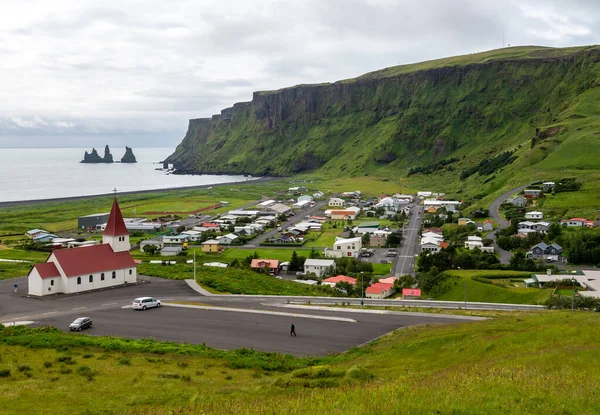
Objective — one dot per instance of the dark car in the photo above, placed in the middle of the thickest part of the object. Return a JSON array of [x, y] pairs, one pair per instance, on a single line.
[[81, 323], [366, 253]]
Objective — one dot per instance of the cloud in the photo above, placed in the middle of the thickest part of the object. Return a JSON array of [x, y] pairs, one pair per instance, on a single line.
[[132, 66]]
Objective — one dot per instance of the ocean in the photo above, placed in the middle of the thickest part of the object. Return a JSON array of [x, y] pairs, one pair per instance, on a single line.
[[46, 173]]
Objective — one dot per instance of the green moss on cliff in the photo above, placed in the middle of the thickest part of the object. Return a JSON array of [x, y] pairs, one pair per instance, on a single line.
[[470, 108]]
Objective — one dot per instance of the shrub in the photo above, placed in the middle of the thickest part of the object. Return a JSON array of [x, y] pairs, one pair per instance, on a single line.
[[66, 370], [168, 375], [182, 364], [67, 360], [47, 364], [4, 373], [87, 355], [359, 373], [87, 372], [24, 368], [124, 361]]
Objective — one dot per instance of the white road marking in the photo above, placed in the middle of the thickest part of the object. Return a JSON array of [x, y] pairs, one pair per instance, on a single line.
[[272, 313], [79, 308], [107, 304], [51, 312], [127, 306], [167, 299]]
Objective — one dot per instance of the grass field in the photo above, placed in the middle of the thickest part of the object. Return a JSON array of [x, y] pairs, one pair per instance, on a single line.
[[491, 293], [234, 281], [518, 363]]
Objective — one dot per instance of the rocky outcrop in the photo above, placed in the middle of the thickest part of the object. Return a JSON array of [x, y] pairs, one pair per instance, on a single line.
[[94, 157], [128, 157]]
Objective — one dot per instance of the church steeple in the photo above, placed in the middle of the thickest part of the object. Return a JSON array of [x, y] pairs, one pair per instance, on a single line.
[[116, 233]]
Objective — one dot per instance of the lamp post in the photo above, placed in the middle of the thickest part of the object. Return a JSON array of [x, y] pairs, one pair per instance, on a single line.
[[573, 296], [362, 289]]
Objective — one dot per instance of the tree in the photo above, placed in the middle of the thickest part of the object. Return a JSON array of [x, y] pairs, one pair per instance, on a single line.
[[180, 229], [151, 249], [366, 239], [405, 281], [394, 239], [314, 254], [296, 262]]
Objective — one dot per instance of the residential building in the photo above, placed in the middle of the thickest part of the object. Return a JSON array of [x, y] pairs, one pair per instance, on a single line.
[[518, 201], [548, 252], [487, 226], [227, 239], [212, 245], [280, 209], [534, 215], [305, 198], [577, 222], [344, 248], [473, 242], [336, 202], [266, 203], [464, 221], [343, 214], [34, 232], [91, 221], [377, 240], [318, 266], [548, 186], [332, 281], [272, 265], [173, 240], [171, 250], [88, 268], [301, 204], [379, 290], [532, 193]]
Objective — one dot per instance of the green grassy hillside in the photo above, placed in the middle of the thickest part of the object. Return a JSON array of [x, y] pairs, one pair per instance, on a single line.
[[517, 363], [540, 104]]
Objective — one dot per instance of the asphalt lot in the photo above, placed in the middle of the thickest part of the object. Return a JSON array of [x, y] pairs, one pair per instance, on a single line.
[[110, 312]]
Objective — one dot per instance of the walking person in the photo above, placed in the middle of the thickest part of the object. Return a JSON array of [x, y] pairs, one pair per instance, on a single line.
[[293, 330]]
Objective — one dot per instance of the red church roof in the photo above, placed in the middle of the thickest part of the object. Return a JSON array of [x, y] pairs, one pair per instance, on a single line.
[[47, 270], [92, 259], [116, 225]]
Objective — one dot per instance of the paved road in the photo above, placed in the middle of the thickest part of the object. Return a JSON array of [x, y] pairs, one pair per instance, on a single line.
[[405, 263], [503, 255], [221, 329], [293, 220]]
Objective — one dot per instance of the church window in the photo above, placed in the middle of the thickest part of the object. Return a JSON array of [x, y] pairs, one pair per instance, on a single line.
[[51, 282], [91, 278], [102, 277], [130, 272], [114, 274], [78, 280]]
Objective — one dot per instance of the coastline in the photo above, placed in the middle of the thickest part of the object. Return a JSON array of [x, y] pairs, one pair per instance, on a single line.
[[14, 203]]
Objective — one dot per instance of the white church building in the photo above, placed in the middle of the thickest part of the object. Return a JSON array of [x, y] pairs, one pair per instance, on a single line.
[[87, 268]]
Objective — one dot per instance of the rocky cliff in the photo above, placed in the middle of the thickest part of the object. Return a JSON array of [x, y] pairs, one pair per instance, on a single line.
[[462, 108], [128, 157]]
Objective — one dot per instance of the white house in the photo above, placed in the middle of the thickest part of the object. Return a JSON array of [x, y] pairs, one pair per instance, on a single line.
[[88, 268], [344, 248], [534, 215], [336, 202], [227, 239], [306, 198], [318, 266], [432, 245], [474, 242]]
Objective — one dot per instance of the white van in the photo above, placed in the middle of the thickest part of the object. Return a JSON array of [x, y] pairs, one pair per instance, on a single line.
[[143, 303]]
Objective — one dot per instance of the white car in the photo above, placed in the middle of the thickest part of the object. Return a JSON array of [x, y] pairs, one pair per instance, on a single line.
[[143, 303]]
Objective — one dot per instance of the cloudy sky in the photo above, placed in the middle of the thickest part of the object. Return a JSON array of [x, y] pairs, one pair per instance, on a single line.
[[135, 70]]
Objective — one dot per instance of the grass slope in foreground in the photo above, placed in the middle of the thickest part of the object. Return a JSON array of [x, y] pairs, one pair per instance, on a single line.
[[543, 362]]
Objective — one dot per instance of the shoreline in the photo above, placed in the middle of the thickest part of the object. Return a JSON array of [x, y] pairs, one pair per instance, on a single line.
[[73, 198]]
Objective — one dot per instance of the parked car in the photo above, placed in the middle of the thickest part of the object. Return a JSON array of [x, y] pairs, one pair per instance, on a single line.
[[80, 324], [366, 253], [143, 303], [392, 252]]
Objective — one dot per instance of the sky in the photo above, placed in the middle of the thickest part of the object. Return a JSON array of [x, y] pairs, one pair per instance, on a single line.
[[130, 72]]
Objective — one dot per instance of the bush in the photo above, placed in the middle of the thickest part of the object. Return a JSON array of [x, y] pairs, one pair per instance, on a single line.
[[47, 365], [66, 370], [124, 361], [359, 373], [169, 375], [67, 360], [87, 372], [24, 368], [4, 373]]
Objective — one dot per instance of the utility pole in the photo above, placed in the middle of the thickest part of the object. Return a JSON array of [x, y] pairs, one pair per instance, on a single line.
[[194, 265]]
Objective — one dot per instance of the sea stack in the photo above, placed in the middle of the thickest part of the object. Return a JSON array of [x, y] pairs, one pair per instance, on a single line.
[[94, 157], [129, 157]]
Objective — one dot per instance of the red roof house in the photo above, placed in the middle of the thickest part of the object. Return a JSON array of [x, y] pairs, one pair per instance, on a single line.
[[331, 281], [408, 293], [271, 264], [379, 290]]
